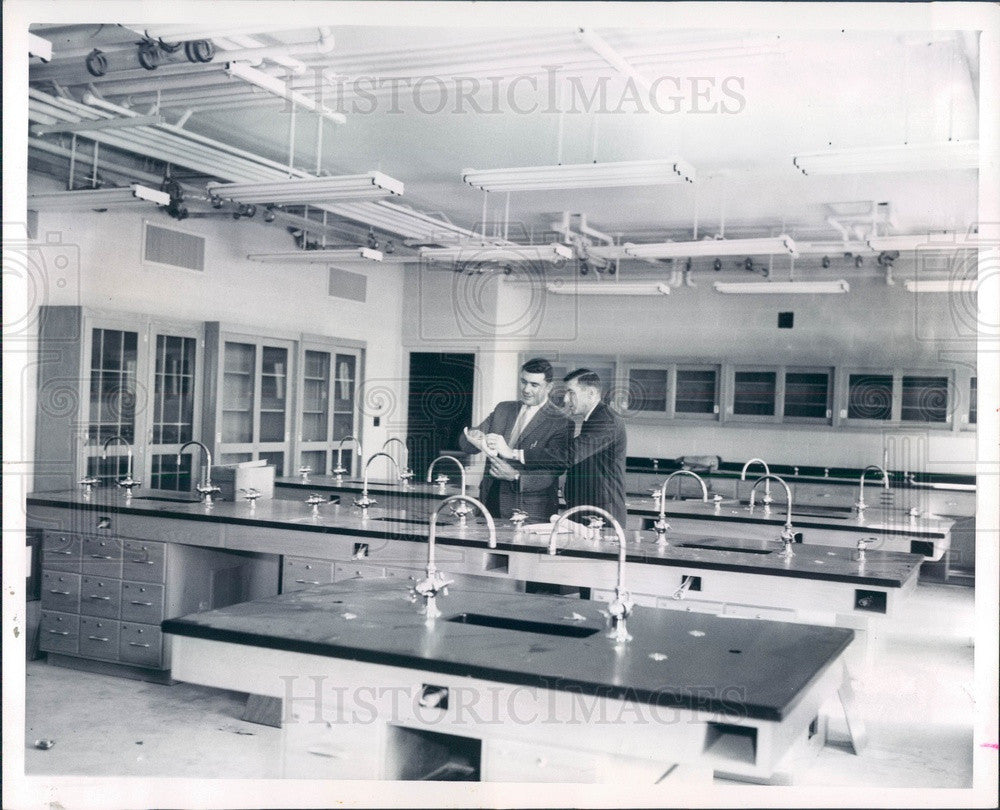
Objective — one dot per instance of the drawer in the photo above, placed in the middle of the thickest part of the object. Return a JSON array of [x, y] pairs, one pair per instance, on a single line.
[[298, 573], [141, 644], [143, 560], [99, 638], [59, 632], [100, 597], [142, 602], [61, 591], [739, 611], [523, 761], [102, 556], [61, 551]]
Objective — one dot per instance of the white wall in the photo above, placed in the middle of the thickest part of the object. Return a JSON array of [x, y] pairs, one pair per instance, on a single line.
[[107, 273], [875, 325]]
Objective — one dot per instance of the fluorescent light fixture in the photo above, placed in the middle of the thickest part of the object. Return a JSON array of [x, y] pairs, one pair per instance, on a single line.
[[87, 199], [498, 253], [783, 287], [917, 241], [942, 285], [581, 175], [310, 189], [402, 221], [273, 85], [151, 194], [712, 247], [610, 288], [325, 256], [39, 47], [599, 46], [896, 158]]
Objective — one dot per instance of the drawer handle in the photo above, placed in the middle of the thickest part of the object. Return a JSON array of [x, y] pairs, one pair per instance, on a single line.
[[98, 638], [57, 551], [59, 632], [61, 593], [145, 604], [136, 644], [102, 556], [147, 562], [306, 582], [102, 598]]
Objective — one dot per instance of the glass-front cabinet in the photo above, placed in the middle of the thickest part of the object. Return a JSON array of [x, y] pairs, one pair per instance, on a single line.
[[328, 409], [253, 403]]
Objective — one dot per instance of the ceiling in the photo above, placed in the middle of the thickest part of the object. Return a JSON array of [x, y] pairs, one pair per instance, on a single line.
[[422, 104]]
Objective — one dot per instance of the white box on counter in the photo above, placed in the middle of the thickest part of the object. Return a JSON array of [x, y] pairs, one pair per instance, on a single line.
[[231, 478]]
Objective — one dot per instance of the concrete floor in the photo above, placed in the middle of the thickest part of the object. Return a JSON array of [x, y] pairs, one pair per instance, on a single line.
[[916, 698]]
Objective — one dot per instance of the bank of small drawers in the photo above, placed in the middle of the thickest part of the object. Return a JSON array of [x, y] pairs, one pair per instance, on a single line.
[[103, 598], [299, 573]]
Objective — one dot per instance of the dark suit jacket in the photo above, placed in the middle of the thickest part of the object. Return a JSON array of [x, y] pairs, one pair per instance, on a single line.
[[596, 476], [545, 441]]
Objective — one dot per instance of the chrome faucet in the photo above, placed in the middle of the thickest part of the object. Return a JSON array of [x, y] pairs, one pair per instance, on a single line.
[[787, 533], [364, 501], [442, 479], [660, 526], [621, 607], [206, 489], [435, 581], [128, 482], [405, 473], [339, 470], [768, 500], [860, 504]]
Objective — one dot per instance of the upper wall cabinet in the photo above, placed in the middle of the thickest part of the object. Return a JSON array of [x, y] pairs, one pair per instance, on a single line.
[[251, 407], [328, 407], [109, 379], [877, 397], [673, 391]]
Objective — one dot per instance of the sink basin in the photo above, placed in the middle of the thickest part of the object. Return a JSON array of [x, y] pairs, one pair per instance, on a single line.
[[714, 547], [421, 521], [524, 625], [167, 498]]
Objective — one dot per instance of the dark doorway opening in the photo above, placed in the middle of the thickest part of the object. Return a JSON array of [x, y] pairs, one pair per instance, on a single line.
[[440, 404]]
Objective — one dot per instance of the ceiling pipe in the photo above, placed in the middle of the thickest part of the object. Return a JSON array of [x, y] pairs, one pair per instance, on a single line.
[[104, 165]]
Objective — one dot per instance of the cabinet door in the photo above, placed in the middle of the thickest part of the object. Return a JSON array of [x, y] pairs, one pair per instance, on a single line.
[[173, 418], [327, 411], [255, 400]]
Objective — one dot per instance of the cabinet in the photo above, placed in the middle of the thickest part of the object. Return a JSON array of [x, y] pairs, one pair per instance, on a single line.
[[103, 597], [327, 411], [102, 375]]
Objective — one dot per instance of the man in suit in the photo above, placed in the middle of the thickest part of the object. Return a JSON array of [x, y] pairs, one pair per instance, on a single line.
[[596, 475], [527, 444]]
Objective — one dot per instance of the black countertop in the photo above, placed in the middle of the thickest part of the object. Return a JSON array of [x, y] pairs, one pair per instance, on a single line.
[[881, 568], [751, 668]]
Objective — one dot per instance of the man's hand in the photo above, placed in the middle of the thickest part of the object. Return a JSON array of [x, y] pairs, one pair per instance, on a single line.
[[478, 439], [502, 470], [498, 444]]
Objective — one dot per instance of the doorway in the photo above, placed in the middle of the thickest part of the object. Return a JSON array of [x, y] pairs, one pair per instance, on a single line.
[[440, 404]]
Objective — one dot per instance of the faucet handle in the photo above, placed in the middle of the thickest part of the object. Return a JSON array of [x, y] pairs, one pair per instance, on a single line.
[[207, 491], [304, 472], [127, 483], [519, 517], [364, 501]]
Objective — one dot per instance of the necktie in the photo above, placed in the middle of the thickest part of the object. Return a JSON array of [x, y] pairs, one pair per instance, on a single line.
[[515, 432]]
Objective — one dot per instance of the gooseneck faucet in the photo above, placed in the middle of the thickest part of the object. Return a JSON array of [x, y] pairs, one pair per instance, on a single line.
[[339, 470], [364, 501], [128, 482], [860, 504], [787, 533], [405, 473], [767, 471], [435, 582], [620, 608], [442, 479], [660, 526], [206, 489]]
